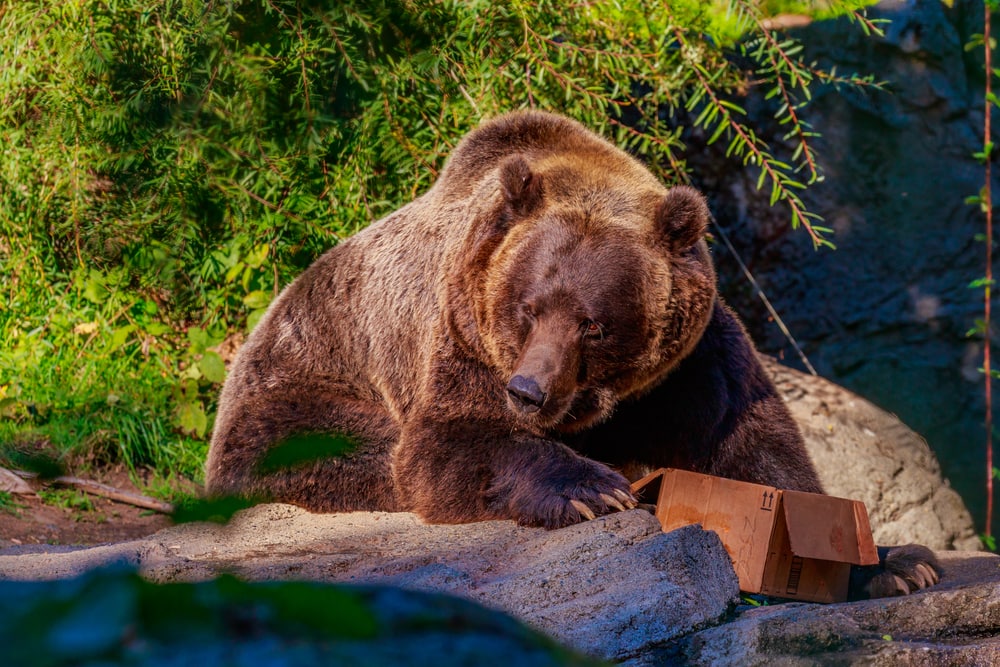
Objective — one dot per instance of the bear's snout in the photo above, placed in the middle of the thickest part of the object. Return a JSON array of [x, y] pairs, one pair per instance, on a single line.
[[527, 395]]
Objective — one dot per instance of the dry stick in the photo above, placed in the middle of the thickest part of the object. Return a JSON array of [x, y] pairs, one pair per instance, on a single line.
[[103, 490], [12, 483], [988, 206]]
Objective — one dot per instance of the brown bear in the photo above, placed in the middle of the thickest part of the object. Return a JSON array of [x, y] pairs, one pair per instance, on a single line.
[[516, 343]]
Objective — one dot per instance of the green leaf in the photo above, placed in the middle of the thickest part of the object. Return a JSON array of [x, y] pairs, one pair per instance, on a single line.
[[257, 256], [719, 130], [119, 336], [215, 510], [198, 338], [234, 271], [306, 448], [254, 317], [212, 367], [192, 419], [157, 329], [257, 299], [96, 290]]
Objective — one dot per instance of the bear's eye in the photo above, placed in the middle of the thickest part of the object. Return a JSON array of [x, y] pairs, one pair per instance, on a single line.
[[528, 310], [592, 329]]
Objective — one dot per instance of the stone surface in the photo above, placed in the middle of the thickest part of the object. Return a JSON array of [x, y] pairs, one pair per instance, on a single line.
[[865, 453], [613, 588], [956, 622]]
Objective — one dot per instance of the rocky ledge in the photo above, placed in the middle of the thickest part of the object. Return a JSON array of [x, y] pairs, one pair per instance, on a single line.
[[616, 588]]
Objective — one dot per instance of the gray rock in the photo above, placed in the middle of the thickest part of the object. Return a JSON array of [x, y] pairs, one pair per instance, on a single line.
[[613, 588], [864, 453], [954, 623]]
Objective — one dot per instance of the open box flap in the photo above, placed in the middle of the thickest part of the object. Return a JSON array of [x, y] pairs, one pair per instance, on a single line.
[[828, 528], [648, 487]]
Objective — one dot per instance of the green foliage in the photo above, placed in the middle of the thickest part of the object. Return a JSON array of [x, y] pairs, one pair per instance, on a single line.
[[984, 200], [170, 164], [214, 510], [305, 448], [9, 505], [70, 499]]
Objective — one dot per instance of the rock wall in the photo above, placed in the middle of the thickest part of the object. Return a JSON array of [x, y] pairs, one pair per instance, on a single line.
[[885, 314]]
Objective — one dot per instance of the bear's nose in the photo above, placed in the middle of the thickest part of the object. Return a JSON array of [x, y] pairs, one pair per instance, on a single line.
[[527, 395]]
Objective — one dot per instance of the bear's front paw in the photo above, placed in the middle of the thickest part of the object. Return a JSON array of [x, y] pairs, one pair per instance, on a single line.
[[901, 571], [557, 505]]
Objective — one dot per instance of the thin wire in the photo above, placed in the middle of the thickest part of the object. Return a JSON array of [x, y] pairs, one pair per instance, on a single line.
[[763, 297]]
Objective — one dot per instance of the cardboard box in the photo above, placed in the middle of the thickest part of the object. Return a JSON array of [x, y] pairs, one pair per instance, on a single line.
[[786, 544]]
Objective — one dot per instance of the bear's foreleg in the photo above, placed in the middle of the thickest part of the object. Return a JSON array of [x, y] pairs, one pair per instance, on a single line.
[[460, 471]]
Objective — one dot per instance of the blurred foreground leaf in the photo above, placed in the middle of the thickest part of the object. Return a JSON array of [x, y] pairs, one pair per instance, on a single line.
[[114, 617], [215, 510], [306, 448]]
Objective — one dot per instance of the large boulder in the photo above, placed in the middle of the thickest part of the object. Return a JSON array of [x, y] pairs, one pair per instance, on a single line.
[[865, 453]]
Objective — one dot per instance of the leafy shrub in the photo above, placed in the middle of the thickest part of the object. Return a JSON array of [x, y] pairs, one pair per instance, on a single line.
[[172, 163]]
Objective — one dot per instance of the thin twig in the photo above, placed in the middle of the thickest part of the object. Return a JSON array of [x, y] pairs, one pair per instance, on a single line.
[[783, 192], [988, 206], [763, 297]]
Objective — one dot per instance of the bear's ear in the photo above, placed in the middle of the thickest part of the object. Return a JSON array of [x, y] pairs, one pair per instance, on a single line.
[[682, 217], [522, 188]]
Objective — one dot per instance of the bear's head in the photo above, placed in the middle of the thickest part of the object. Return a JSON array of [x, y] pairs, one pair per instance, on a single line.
[[581, 281]]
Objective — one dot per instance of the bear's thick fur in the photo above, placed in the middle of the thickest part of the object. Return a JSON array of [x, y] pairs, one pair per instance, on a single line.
[[540, 325]]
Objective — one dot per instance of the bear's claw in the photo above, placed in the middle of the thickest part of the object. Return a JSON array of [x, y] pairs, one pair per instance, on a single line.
[[626, 502], [930, 577], [627, 498], [582, 508], [611, 502]]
